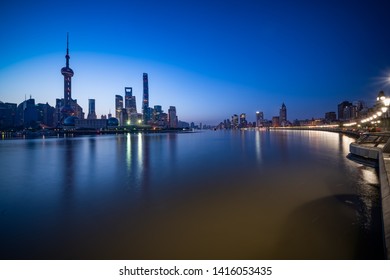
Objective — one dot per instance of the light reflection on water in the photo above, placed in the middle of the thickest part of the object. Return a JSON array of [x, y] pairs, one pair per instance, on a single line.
[[209, 195]]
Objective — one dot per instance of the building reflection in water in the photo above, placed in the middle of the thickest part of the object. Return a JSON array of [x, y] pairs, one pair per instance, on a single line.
[[258, 145], [136, 161], [69, 165]]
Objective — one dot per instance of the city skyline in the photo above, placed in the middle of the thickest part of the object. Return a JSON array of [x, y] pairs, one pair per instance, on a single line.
[[209, 60]]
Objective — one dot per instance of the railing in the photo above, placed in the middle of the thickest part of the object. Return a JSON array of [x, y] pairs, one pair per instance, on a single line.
[[376, 139]]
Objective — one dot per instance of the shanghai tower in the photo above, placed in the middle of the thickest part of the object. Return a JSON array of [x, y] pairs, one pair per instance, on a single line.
[[145, 100]]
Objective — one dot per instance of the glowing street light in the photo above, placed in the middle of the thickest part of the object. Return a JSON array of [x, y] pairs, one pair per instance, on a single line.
[[381, 96]]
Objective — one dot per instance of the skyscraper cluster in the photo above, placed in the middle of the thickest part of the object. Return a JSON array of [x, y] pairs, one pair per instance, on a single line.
[[348, 111], [28, 114], [68, 113], [239, 122], [126, 112]]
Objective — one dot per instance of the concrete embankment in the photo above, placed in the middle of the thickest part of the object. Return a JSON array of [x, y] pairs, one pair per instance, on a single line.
[[384, 175]]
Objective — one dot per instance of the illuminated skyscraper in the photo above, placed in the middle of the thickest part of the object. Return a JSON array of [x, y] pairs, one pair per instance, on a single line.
[[243, 121], [235, 121], [68, 73], [145, 100], [130, 103], [157, 111], [259, 119], [283, 115], [91, 109], [118, 106]]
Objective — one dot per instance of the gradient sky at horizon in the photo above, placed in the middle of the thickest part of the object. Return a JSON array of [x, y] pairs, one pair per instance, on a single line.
[[210, 59]]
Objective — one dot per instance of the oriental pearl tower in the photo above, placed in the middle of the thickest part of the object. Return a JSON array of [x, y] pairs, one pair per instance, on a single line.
[[67, 72]]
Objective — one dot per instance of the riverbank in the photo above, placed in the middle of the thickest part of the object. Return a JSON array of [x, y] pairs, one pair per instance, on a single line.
[[59, 133], [384, 176], [348, 132]]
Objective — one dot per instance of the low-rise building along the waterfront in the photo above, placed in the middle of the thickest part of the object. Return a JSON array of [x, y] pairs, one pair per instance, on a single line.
[[275, 121]]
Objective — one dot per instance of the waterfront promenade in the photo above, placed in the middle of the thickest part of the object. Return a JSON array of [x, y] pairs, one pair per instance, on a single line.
[[384, 176]]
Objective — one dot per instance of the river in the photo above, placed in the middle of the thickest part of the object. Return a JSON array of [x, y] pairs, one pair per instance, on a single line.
[[204, 195]]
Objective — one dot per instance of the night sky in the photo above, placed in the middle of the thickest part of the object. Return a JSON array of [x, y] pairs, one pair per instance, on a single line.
[[210, 59]]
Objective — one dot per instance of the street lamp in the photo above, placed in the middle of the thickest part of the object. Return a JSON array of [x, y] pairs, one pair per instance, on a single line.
[[381, 96]]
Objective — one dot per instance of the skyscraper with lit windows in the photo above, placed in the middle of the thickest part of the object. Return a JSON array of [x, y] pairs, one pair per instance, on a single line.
[[130, 103], [283, 115], [259, 119], [235, 121], [118, 106], [243, 121], [145, 100]]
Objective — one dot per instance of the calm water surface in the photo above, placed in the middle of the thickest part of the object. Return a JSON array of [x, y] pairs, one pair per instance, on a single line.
[[207, 195]]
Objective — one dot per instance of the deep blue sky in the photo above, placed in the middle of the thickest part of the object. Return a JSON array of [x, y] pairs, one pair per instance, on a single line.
[[210, 59]]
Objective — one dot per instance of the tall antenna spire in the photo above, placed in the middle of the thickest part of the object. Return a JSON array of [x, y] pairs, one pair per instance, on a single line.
[[67, 49]]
